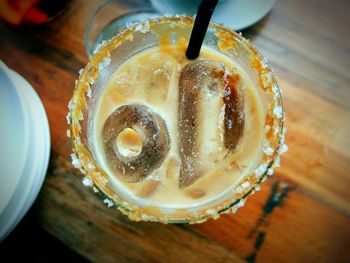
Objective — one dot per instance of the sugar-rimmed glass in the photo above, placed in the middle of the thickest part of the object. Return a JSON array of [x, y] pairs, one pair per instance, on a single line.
[[139, 38], [111, 17]]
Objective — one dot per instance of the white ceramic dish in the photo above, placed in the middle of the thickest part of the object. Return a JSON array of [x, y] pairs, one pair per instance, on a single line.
[[36, 159], [41, 134], [237, 14], [14, 137]]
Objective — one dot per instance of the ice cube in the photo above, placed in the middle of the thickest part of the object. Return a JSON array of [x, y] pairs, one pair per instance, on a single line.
[[148, 188], [234, 111], [198, 80], [132, 121], [159, 82]]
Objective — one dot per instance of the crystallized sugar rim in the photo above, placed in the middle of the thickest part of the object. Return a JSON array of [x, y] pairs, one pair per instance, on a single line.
[[97, 179]]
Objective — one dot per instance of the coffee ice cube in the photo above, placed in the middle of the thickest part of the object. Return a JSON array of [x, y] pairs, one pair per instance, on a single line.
[[197, 80], [136, 142]]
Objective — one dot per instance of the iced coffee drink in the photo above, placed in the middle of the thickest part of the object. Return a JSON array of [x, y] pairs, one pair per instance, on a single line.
[[169, 139]]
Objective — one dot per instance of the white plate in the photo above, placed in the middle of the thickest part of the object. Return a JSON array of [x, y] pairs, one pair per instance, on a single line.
[[41, 136], [237, 14], [14, 137], [15, 204], [37, 159]]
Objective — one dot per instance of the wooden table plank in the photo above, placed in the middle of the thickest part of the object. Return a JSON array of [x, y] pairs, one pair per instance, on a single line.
[[301, 214], [78, 217], [281, 223], [294, 220], [312, 67]]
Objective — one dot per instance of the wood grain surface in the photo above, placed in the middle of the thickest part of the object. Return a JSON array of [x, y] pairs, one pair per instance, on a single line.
[[301, 214]]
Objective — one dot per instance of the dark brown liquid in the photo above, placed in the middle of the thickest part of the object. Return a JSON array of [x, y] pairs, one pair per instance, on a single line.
[[234, 113]]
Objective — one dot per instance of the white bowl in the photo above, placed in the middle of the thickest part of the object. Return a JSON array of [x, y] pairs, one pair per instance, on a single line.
[[237, 14], [14, 139], [36, 157]]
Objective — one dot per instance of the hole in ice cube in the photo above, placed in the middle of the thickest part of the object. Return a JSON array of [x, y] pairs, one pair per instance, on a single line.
[[129, 143]]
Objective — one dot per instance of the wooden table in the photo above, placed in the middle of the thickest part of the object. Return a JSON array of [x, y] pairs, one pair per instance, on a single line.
[[302, 214]]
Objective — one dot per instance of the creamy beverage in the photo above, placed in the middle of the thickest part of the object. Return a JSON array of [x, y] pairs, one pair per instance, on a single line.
[[201, 119], [170, 139]]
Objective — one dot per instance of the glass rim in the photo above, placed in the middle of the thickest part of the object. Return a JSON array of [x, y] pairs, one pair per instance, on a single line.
[[87, 34], [82, 157]]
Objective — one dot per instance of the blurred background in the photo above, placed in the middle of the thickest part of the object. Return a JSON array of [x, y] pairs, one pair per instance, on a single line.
[[301, 214]]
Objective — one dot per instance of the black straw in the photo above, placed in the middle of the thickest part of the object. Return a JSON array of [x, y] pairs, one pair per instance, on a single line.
[[204, 13]]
